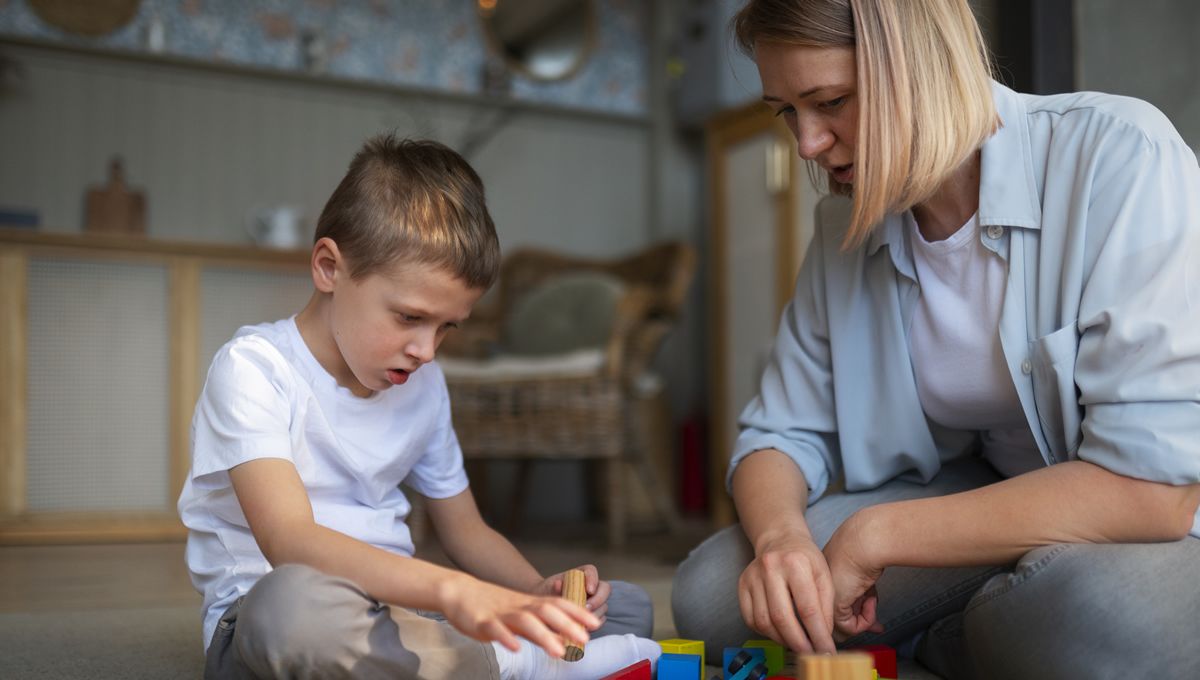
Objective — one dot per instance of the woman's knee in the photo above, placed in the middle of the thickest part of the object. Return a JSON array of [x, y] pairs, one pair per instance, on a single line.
[[1094, 610], [704, 600]]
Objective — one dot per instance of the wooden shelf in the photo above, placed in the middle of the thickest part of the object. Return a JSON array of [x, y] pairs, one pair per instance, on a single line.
[[139, 245]]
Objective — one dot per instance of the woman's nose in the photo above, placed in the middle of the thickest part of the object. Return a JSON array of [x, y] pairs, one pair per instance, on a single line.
[[812, 141]]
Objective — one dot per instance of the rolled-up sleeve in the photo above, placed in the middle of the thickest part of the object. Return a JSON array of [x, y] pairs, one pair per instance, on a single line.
[[1138, 363], [793, 411]]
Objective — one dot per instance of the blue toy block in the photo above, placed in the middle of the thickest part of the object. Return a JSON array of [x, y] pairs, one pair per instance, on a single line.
[[745, 663], [678, 666]]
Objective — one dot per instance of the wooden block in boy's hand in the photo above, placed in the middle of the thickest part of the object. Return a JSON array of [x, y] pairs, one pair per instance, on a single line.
[[574, 590]]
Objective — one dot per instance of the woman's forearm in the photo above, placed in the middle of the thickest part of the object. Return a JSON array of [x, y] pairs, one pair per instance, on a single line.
[[771, 494], [1074, 502]]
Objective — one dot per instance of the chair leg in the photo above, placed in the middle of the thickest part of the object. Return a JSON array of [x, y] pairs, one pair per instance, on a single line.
[[652, 433], [616, 502], [517, 508]]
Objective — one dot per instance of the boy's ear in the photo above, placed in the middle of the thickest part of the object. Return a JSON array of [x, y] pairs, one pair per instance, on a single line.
[[327, 264]]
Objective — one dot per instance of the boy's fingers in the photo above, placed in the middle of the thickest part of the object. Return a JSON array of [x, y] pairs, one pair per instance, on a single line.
[[591, 578], [495, 630], [534, 629]]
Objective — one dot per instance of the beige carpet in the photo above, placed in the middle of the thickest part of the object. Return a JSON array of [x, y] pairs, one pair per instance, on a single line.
[[157, 643]]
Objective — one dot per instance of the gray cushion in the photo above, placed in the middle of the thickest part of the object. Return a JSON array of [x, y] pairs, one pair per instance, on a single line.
[[569, 312]]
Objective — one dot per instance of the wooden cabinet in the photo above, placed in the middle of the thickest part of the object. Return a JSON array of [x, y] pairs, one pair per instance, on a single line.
[[106, 341], [761, 208]]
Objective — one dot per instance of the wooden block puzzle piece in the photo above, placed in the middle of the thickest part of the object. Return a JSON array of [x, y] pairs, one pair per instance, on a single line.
[[774, 653], [844, 666], [885, 659], [679, 667], [680, 646], [638, 671], [745, 663]]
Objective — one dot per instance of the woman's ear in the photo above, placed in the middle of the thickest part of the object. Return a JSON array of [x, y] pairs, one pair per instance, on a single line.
[[327, 264]]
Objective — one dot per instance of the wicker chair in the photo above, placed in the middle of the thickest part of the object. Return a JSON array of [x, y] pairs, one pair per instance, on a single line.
[[569, 402]]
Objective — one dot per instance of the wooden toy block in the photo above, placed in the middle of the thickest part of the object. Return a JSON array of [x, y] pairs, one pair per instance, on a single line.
[[679, 667], [574, 590], [844, 666], [742, 663], [638, 671], [774, 653], [885, 659], [680, 646]]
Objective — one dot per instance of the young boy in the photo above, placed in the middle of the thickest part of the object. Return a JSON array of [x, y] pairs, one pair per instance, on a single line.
[[307, 426]]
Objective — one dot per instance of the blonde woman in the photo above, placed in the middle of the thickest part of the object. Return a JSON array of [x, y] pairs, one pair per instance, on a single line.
[[994, 344]]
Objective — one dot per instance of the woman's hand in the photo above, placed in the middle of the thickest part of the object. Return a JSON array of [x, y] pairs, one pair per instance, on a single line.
[[488, 612], [597, 590], [786, 594], [854, 573]]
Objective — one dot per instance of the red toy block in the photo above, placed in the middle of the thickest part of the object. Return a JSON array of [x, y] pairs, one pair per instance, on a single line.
[[885, 659], [638, 671]]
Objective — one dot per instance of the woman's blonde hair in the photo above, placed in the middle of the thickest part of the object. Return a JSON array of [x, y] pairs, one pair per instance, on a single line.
[[924, 90]]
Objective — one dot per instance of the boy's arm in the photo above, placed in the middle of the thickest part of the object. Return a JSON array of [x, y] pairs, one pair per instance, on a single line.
[[477, 548], [280, 516], [482, 551]]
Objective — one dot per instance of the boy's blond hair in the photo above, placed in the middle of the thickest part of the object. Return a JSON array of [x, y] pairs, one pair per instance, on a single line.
[[412, 202], [924, 90]]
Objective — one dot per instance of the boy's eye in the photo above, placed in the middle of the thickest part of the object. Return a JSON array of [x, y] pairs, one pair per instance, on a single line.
[[787, 110], [409, 318]]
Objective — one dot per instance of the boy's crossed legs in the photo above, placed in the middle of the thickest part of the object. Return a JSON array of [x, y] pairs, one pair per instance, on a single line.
[[297, 622]]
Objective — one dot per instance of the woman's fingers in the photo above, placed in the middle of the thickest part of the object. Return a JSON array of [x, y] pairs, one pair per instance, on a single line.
[[806, 599]]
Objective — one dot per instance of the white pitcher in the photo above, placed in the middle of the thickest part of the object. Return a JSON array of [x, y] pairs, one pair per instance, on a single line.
[[279, 227]]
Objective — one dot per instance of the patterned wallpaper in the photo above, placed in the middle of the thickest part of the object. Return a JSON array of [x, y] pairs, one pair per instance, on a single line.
[[436, 44]]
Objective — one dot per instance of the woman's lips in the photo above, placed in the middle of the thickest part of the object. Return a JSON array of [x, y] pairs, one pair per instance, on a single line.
[[843, 174]]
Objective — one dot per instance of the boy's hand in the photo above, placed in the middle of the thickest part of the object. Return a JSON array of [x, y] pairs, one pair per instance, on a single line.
[[488, 612], [597, 590]]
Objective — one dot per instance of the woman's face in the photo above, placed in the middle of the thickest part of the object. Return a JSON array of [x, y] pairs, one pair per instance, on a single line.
[[814, 89]]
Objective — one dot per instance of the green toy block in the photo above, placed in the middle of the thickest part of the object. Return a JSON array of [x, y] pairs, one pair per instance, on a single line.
[[774, 652]]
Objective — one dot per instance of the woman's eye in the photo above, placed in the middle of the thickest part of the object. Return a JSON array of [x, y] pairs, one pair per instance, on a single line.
[[787, 110], [833, 103], [409, 318]]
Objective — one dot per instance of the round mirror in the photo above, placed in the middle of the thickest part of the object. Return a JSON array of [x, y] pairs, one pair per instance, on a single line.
[[543, 39]]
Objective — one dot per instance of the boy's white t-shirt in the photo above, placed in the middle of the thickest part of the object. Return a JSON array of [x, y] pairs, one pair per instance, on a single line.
[[267, 397]]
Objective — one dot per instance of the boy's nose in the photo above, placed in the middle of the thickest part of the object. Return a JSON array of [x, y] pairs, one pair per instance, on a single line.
[[422, 347]]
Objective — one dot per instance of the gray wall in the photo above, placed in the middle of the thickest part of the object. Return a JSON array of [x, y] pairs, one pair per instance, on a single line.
[[1148, 49], [208, 146]]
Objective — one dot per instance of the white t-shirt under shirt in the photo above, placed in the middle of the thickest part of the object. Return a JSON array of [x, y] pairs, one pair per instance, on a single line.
[[962, 378], [267, 397]]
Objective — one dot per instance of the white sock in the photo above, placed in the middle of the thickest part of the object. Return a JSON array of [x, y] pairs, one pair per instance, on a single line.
[[602, 656]]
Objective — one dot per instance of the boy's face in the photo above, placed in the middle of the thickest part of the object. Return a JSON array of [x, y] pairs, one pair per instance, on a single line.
[[389, 324]]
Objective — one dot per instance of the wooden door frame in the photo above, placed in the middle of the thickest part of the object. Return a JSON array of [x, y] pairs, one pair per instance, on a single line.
[[721, 134]]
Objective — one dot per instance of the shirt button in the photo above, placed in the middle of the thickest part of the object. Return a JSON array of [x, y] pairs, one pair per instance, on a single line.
[[995, 231], [1027, 367]]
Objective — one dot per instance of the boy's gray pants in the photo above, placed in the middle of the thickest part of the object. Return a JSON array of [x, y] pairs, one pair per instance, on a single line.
[[297, 622], [1063, 611]]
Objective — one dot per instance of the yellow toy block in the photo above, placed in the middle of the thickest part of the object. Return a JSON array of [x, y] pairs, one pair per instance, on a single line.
[[678, 646]]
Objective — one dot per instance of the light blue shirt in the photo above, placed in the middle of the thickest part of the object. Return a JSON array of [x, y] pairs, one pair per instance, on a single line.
[[1094, 202]]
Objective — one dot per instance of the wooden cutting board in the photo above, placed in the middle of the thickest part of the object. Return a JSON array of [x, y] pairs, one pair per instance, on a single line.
[[114, 208]]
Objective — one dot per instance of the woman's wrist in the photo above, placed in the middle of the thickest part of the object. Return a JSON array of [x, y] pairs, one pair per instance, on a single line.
[[874, 534], [781, 530]]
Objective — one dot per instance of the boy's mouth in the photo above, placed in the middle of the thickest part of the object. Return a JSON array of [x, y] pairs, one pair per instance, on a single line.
[[397, 376]]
